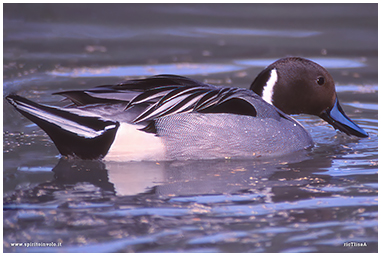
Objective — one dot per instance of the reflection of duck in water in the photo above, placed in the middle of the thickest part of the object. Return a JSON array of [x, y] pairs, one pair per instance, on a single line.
[[201, 177], [169, 117], [270, 179]]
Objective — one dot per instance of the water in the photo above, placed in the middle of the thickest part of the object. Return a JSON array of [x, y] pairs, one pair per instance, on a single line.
[[317, 201]]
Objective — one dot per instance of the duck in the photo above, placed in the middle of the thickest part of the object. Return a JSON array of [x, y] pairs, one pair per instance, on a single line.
[[170, 117]]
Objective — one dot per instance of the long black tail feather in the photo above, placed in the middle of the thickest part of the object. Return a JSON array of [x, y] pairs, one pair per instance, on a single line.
[[74, 134]]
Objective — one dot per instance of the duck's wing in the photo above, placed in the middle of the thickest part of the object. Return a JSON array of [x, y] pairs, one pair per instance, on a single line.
[[126, 91], [163, 95], [199, 99]]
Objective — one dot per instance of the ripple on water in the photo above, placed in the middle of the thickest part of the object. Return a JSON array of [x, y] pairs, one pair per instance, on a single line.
[[190, 68]]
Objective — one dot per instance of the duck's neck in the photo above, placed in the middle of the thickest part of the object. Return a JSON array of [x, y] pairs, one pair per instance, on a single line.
[[264, 83]]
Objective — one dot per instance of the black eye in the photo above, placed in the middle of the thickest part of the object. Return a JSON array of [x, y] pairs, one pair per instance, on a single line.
[[320, 80]]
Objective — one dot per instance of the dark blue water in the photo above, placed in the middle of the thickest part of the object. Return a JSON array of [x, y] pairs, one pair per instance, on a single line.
[[322, 200]]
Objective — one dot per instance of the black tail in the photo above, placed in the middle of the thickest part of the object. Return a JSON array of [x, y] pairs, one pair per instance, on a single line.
[[74, 133]]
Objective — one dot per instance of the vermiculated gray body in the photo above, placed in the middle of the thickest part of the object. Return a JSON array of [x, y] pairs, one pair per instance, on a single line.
[[207, 136]]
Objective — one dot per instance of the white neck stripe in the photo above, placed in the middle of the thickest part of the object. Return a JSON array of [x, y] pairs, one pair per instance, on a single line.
[[267, 93]]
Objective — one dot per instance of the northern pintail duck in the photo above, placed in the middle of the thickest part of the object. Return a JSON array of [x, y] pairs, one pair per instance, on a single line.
[[167, 117]]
